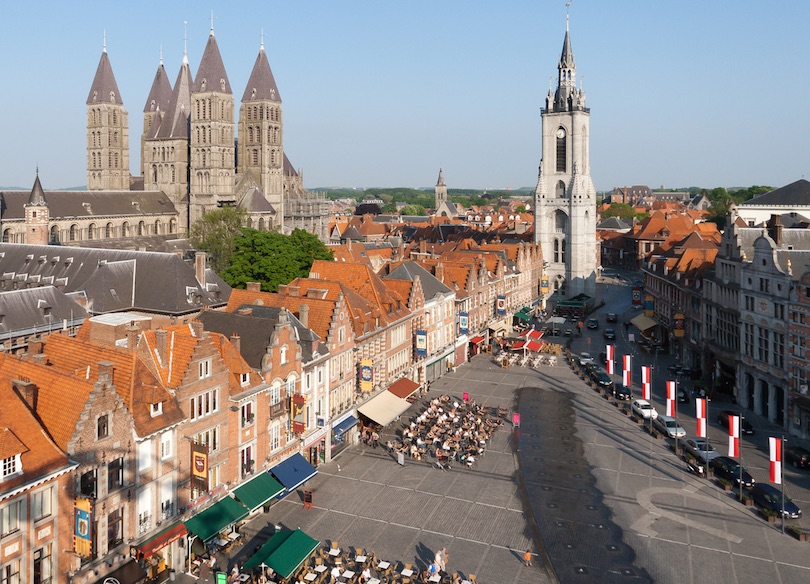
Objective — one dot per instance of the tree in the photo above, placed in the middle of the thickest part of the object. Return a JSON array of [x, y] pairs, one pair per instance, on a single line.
[[622, 210], [272, 258], [521, 209], [412, 210], [364, 208], [215, 234]]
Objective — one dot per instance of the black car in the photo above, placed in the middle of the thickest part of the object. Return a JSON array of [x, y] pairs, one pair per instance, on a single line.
[[770, 498], [622, 392], [593, 323], [609, 334], [682, 395], [729, 469], [745, 426], [611, 317], [797, 456], [603, 380]]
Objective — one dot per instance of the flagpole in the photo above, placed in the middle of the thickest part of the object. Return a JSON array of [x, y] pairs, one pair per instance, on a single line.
[[739, 446], [782, 477]]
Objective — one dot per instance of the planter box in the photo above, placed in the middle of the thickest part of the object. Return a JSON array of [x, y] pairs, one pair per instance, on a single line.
[[726, 486], [748, 502], [798, 534], [769, 517]]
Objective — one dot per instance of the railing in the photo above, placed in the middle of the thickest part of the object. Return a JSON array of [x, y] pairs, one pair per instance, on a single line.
[[144, 525]]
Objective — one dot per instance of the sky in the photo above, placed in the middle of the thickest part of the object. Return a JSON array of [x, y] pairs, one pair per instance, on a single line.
[[383, 93]]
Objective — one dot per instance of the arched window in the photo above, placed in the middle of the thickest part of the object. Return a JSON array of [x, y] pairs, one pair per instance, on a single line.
[[108, 231], [560, 222], [261, 224], [73, 233], [91, 229], [556, 250], [125, 229], [116, 160], [173, 174], [255, 156], [172, 225], [559, 190], [561, 151], [157, 227], [6, 235], [141, 228], [54, 234], [154, 173]]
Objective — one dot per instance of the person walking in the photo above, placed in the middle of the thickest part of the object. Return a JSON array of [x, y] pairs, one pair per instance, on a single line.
[[527, 558]]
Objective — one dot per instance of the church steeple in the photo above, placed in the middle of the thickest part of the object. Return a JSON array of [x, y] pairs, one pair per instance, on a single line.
[[157, 106], [107, 131], [37, 216], [440, 191]]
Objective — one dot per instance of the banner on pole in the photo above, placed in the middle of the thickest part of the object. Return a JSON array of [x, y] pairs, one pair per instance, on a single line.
[[734, 436], [671, 399], [645, 382], [776, 460], [700, 414], [609, 365], [626, 365]]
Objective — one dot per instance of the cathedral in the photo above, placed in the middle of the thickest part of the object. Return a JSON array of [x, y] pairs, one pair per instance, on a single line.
[[194, 158], [565, 197]]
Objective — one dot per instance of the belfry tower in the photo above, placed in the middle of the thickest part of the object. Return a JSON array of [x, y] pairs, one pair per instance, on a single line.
[[565, 198]]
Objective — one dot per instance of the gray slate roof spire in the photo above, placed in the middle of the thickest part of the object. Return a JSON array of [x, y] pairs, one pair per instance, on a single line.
[[104, 88], [211, 75], [440, 183], [160, 95], [261, 85], [37, 198]]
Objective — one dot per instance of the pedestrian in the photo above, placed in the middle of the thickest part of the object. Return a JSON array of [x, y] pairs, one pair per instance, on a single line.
[[527, 557], [445, 559]]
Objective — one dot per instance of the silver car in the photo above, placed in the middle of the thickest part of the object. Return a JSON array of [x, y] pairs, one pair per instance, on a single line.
[[643, 409], [700, 449], [669, 426]]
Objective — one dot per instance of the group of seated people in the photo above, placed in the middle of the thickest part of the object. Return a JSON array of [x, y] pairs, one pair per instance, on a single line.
[[449, 431]]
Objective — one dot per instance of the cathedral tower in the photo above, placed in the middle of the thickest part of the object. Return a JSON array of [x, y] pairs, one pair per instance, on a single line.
[[212, 135], [157, 104], [565, 198], [440, 190], [37, 216], [261, 142], [107, 132]]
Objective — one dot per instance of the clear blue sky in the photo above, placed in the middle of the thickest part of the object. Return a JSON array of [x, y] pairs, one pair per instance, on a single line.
[[383, 93]]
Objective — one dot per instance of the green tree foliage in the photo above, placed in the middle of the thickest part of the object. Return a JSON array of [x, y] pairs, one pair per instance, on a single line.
[[413, 210], [364, 208], [722, 200], [215, 234], [273, 258], [622, 210], [520, 209]]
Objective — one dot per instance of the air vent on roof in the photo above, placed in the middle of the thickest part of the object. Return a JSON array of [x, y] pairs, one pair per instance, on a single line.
[[29, 257], [54, 260], [68, 261], [102, 262], [61, 281], [42, 259]]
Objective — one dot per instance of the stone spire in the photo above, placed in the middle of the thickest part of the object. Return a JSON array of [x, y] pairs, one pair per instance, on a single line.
[[261, 85], [160, 95], [37, 216], [440, 191], [566, 76], [104, 88], [211, 74], [175, 123], [37, 197]]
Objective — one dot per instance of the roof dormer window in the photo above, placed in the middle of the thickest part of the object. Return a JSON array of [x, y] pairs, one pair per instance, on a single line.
[[10, 467]]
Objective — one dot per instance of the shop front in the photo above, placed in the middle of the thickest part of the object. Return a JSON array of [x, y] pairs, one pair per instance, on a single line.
[[314, 447], [156, 554], [343, 434]]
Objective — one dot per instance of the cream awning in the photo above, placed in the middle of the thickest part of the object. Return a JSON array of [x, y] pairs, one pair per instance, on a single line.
[[643, 322], [384, 408]]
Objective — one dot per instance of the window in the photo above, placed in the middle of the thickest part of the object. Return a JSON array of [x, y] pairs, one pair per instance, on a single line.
[[275, 395], [246, 459], [43, 568], [10, 467], [10, 517], [102, 427], [275, 437], [115, 474], [247, 414], [290, 386], [87, 484], [156, 409], [210, 438], [561, 154], [283, 352], [41, 504], [144, 455], [214, 479], [764, 285], [115, 529], [165, 445], [244, 379], [204, 404], [763, 353], [205, 368], [10, 573]]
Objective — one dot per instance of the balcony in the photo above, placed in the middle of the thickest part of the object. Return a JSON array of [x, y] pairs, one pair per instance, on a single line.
[[144, 524]]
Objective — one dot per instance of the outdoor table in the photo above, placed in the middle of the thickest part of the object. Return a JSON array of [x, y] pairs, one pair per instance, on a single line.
[[384, 565], [244, 577], [347, 574], [435, 578], [221, 542], [233, 536], [334, 552], [374, 581], [310, 576], [321, 568], [407, 572], [360, 559]]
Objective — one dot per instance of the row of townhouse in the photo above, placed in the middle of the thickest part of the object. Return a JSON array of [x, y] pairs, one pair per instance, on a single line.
[[738, 309]]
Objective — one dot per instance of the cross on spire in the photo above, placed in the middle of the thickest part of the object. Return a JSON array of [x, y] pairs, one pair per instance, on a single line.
[[104, 42], [212, 23], [185, 42], [567, 6], [262, 37]]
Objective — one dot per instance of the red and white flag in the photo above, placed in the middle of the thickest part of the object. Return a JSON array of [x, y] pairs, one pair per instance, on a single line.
[[626, 370], [734, 436], [645, 382], [700, 414], [671, 399], [609, 365], [776, 460]]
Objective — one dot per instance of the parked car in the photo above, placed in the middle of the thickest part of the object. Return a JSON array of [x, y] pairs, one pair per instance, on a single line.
[[682, 396], [770, 498], [568, 331], [700, 449], [585, 358], [611, 317], [643, 409], [669, 426], [745, 426], [622, 392], [797, 456], [593, 323], [603, 380], [729, 469], [609, 334]]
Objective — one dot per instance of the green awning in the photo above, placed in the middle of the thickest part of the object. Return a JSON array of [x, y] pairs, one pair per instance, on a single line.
[[216, 518], [524, 314], [287, 551], [258, 490]]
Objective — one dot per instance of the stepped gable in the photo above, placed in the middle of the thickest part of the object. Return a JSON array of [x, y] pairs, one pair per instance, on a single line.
[[364, 314], [137, 386]]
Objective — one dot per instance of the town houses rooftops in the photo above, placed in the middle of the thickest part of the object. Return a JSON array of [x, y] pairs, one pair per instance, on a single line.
[[431, 286], [795, 194]]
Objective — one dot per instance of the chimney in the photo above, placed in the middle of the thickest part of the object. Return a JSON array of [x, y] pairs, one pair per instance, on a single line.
[[293, 291], [105, 371], [254, 287], [197, 328], [282, 289], [349, 244], [440, 272], [28, 392], [775, 229], [199, 267], [35, 346], [236, 342], [423, 246], [162, 343], [303, 314], [132, 336]]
